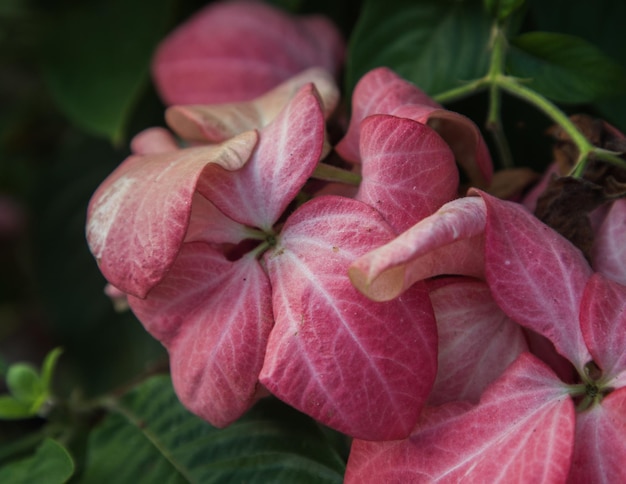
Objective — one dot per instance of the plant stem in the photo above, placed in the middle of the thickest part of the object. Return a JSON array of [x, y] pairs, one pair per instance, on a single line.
[[585, 148], [467, 89], [496, 70], [334, 174]]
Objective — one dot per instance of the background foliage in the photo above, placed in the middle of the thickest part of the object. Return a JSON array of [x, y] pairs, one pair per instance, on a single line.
[[75, 86]]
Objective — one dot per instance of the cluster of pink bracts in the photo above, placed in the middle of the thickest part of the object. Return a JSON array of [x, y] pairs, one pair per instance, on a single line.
[[512, 367]]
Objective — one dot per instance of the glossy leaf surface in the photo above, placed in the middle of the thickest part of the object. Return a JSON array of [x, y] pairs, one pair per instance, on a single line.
[[272, 443]]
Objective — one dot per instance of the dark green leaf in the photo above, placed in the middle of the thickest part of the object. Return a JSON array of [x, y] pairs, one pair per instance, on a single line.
[[565, 68], [436, 44], [103, 349], [97, 61], [600, 22], [150, 437], [51, 464]]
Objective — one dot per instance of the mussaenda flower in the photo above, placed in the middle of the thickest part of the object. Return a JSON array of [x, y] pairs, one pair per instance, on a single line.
[[543, 283], [249, 295]]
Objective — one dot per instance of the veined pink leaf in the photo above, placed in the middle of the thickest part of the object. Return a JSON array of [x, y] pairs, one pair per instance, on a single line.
[[361, 367], [477, 341], [214, 317], [536, 276], [603, 324], [238, 50], [289, 149], [408, 171], [461, 134], [521, 431], [379, 91], [600, 450], [382, 91], [138, 217], [450, 241], [152, 141], [609, 250], [217, 122]]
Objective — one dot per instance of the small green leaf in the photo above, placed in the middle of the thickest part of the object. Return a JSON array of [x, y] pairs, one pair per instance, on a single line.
[[437, 44], [13, 409], [51, 464], [502, 9], [97, 57], [565, 68], [149, 437], [24, 383], [47, 368]]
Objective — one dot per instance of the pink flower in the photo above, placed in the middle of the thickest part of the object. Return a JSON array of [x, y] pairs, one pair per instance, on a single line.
[[236, 51], [247, 294], [381, 91], [529, 422]]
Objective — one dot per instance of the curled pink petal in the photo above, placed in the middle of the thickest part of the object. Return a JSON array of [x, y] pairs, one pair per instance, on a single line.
[[217, 122], [214, 317], [522, 430], [138, 217], [536, 276], [461, 134], [380, 91], [289, 149], [448, 242], [236, 51], [408, 171], [609, 250], [603, 324], [361, 367]]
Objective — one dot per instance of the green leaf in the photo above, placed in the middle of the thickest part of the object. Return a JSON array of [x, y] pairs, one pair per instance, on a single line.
[[47, 368], [565, 68], [24, 383], [149, 437], [600, 22], [51, 464], [13, 409], [437, 44], [97, 58], [502, 9]]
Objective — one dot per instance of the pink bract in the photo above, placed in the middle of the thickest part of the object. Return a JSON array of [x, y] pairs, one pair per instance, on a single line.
[[361, 367], [520, 431], [381, 91], [238, 50], [477, 341], [217, 122], [237, 323], [125, 227], [542, 282]]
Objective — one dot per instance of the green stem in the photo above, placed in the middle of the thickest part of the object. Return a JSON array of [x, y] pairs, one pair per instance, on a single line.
[[585, 148], [334, 174], [467, 89], [499, 46]]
